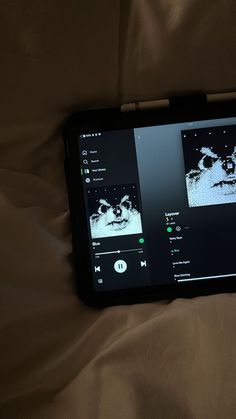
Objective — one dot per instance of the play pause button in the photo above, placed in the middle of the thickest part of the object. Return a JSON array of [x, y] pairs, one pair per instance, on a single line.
[[120, 266]]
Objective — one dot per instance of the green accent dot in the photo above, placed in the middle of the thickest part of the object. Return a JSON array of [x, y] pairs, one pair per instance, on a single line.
[[169, 229], [141, 241]]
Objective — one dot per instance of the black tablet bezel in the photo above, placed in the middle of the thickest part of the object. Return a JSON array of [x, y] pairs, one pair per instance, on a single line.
[[112, 119]]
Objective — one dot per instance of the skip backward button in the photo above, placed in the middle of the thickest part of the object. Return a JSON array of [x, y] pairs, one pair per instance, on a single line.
[[97, 268]]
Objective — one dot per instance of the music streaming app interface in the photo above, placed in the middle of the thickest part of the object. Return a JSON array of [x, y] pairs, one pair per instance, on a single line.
[[160, 203]]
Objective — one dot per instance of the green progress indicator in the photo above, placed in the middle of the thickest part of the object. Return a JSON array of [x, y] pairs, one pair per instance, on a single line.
[[169, 229], [141, 240]]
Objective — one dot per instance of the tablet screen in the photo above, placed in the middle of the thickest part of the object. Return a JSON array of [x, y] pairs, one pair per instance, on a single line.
[[160, 203]]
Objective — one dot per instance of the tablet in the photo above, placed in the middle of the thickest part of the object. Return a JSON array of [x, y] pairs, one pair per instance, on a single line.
[[152, 199]]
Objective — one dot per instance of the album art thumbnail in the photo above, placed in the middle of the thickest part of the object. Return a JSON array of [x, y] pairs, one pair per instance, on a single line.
[[210, 163], [114, 211]]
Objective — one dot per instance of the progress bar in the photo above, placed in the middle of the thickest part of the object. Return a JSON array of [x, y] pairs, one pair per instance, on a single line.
[[118, 251], [205, 277]]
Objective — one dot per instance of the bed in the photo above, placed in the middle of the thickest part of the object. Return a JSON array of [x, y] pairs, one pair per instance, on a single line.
[[59, 358]]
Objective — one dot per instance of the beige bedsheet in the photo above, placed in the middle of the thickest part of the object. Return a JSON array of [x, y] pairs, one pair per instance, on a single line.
[[58, 358]]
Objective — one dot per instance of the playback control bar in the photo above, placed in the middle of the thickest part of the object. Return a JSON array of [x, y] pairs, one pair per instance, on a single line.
[[139, 250]]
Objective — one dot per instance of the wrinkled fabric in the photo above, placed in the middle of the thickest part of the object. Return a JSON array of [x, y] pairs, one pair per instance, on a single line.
[[58, 358]]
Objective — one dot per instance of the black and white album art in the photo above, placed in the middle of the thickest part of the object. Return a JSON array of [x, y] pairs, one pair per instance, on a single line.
[[114, 211], [210, 163]]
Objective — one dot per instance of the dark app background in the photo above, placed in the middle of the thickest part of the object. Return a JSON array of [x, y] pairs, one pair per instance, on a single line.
[[207, 232], [176, 242]]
